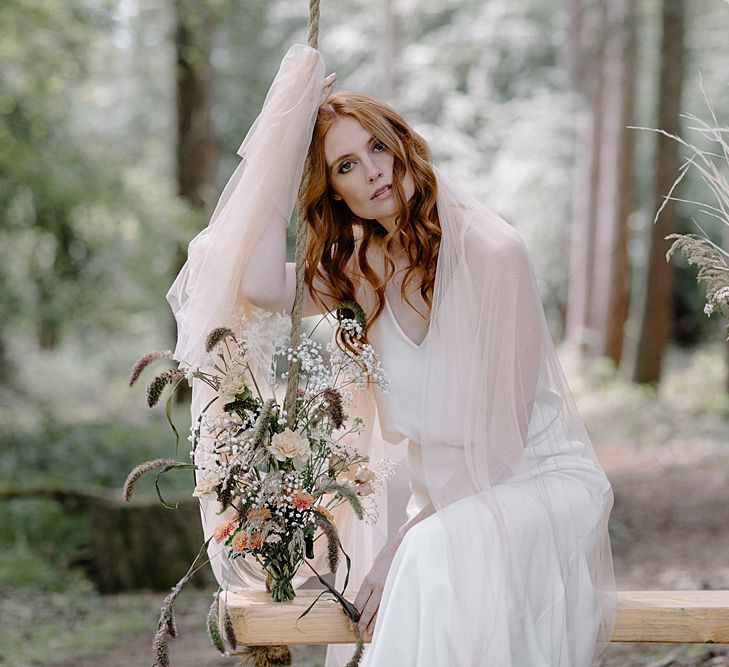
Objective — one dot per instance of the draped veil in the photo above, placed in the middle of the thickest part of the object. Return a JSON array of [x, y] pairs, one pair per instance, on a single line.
[[499, 424]]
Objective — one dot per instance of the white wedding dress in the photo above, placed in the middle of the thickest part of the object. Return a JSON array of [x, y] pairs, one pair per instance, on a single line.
[[417, 606], [514, 569]]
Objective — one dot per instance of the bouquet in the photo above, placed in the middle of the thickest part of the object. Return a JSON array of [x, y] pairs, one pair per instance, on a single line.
[[277, 480]]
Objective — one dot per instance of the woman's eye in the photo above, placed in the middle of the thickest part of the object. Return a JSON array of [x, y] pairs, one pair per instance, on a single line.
[[378, 146], [342, 166]]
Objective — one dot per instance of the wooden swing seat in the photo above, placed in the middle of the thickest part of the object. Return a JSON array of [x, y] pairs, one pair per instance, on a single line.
[[698, 617]]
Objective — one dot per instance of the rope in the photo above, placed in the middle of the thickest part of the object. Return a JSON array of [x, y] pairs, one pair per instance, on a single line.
[[301, 236], [313, 37]]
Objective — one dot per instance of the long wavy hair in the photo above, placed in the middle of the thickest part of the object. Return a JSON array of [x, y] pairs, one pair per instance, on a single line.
[[334, 232]]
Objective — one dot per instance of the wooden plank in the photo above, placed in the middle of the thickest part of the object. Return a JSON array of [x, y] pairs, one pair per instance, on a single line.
[[698, 617], [643, 616], [258, 620]]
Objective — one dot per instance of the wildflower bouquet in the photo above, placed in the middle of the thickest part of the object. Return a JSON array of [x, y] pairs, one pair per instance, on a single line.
[[277, 480]]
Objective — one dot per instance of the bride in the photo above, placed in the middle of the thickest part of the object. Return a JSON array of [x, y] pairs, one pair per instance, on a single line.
[[503, 556]]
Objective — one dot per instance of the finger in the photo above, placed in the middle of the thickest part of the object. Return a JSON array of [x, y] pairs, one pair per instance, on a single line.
[[369, 611], [330, 79], [362, 597], [371, 627], [367, 615]]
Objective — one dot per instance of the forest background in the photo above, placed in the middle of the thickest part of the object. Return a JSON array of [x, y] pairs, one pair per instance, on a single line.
[[119, 124]]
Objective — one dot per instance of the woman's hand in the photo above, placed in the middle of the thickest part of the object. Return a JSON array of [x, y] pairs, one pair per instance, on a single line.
[[370, 593], [326, 89]]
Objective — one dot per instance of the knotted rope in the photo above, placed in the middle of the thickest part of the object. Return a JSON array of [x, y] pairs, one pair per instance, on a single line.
[[301, 237]]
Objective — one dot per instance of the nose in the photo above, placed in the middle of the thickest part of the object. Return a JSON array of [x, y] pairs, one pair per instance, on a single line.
[[374, 172]]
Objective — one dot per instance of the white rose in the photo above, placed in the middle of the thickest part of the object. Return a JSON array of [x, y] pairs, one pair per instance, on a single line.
[[289, 445], [231, 384]]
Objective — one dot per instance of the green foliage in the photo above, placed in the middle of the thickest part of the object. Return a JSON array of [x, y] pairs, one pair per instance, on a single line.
[[97, 453], [78, 219], [41, 627]]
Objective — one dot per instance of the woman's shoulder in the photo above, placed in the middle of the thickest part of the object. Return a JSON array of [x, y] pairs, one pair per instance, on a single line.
[[489, 239], [480, 229]]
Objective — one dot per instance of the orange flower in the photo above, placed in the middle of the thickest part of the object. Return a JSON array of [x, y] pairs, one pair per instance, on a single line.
[[262, 513], [301, 500], [239, 541], [224, 529], [256, 540]]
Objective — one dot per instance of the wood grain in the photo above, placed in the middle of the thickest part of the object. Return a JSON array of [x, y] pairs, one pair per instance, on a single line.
[[643, 616]]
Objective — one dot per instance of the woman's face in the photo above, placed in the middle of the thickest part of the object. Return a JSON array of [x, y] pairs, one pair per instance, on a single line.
[[360, 172]]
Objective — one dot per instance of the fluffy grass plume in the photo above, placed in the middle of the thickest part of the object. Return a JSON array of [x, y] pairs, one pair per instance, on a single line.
[[712, 163], [155, 388], [213, 625], [351, 495], [216, 336], [136, 474], [144, 361], [268, 656]]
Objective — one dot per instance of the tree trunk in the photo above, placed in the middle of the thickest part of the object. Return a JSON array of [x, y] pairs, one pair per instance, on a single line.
[[196, 145], [657, 310], [196, 149], [571, 53], [609, 303], [584, 205]]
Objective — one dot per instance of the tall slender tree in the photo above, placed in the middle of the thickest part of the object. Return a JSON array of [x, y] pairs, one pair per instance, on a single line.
[[609, 303], [196, 146], [657, 311], [591, 86], [598, 290]]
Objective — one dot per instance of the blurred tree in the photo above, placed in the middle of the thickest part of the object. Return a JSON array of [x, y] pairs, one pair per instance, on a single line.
[[196, 143], [657, 312], [598, 307], [194, 76], [589, 118], [85, 219], [609, 302], [44, 172]]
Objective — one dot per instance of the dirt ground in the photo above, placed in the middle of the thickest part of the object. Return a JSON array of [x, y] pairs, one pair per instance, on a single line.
[[669, 531]]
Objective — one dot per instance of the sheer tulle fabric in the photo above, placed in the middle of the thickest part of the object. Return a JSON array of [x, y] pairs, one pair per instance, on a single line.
[[508, 463], [500, 429]]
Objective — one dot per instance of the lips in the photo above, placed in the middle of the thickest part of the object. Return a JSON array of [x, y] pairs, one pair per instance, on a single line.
[[380, 191]]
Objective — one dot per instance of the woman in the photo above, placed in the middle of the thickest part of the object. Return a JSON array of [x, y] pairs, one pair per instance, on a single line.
[[504, 558]]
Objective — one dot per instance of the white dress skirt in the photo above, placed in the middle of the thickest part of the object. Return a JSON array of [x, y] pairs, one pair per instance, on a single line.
[[414, 625]]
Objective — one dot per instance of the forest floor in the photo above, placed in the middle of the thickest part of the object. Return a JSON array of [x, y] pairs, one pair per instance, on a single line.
[[668, 530]]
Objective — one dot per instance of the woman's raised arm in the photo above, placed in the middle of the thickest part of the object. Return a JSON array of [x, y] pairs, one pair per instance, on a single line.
[[270, 281]]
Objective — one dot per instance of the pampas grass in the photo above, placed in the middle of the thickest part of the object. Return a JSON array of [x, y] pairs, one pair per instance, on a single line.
[[712, 164]]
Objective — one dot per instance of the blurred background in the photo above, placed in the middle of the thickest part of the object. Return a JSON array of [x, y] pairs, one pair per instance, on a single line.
[[119, 125]]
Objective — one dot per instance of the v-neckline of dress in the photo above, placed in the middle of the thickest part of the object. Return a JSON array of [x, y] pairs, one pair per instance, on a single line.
[[407, 338]]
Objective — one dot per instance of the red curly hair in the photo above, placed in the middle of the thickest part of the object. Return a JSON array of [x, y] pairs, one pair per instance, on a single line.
[[334, 232]]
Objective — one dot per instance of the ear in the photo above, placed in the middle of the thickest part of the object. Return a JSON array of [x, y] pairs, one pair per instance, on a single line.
[[336, 196]]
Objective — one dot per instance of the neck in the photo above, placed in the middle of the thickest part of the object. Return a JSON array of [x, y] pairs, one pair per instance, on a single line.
[[389, 224]]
